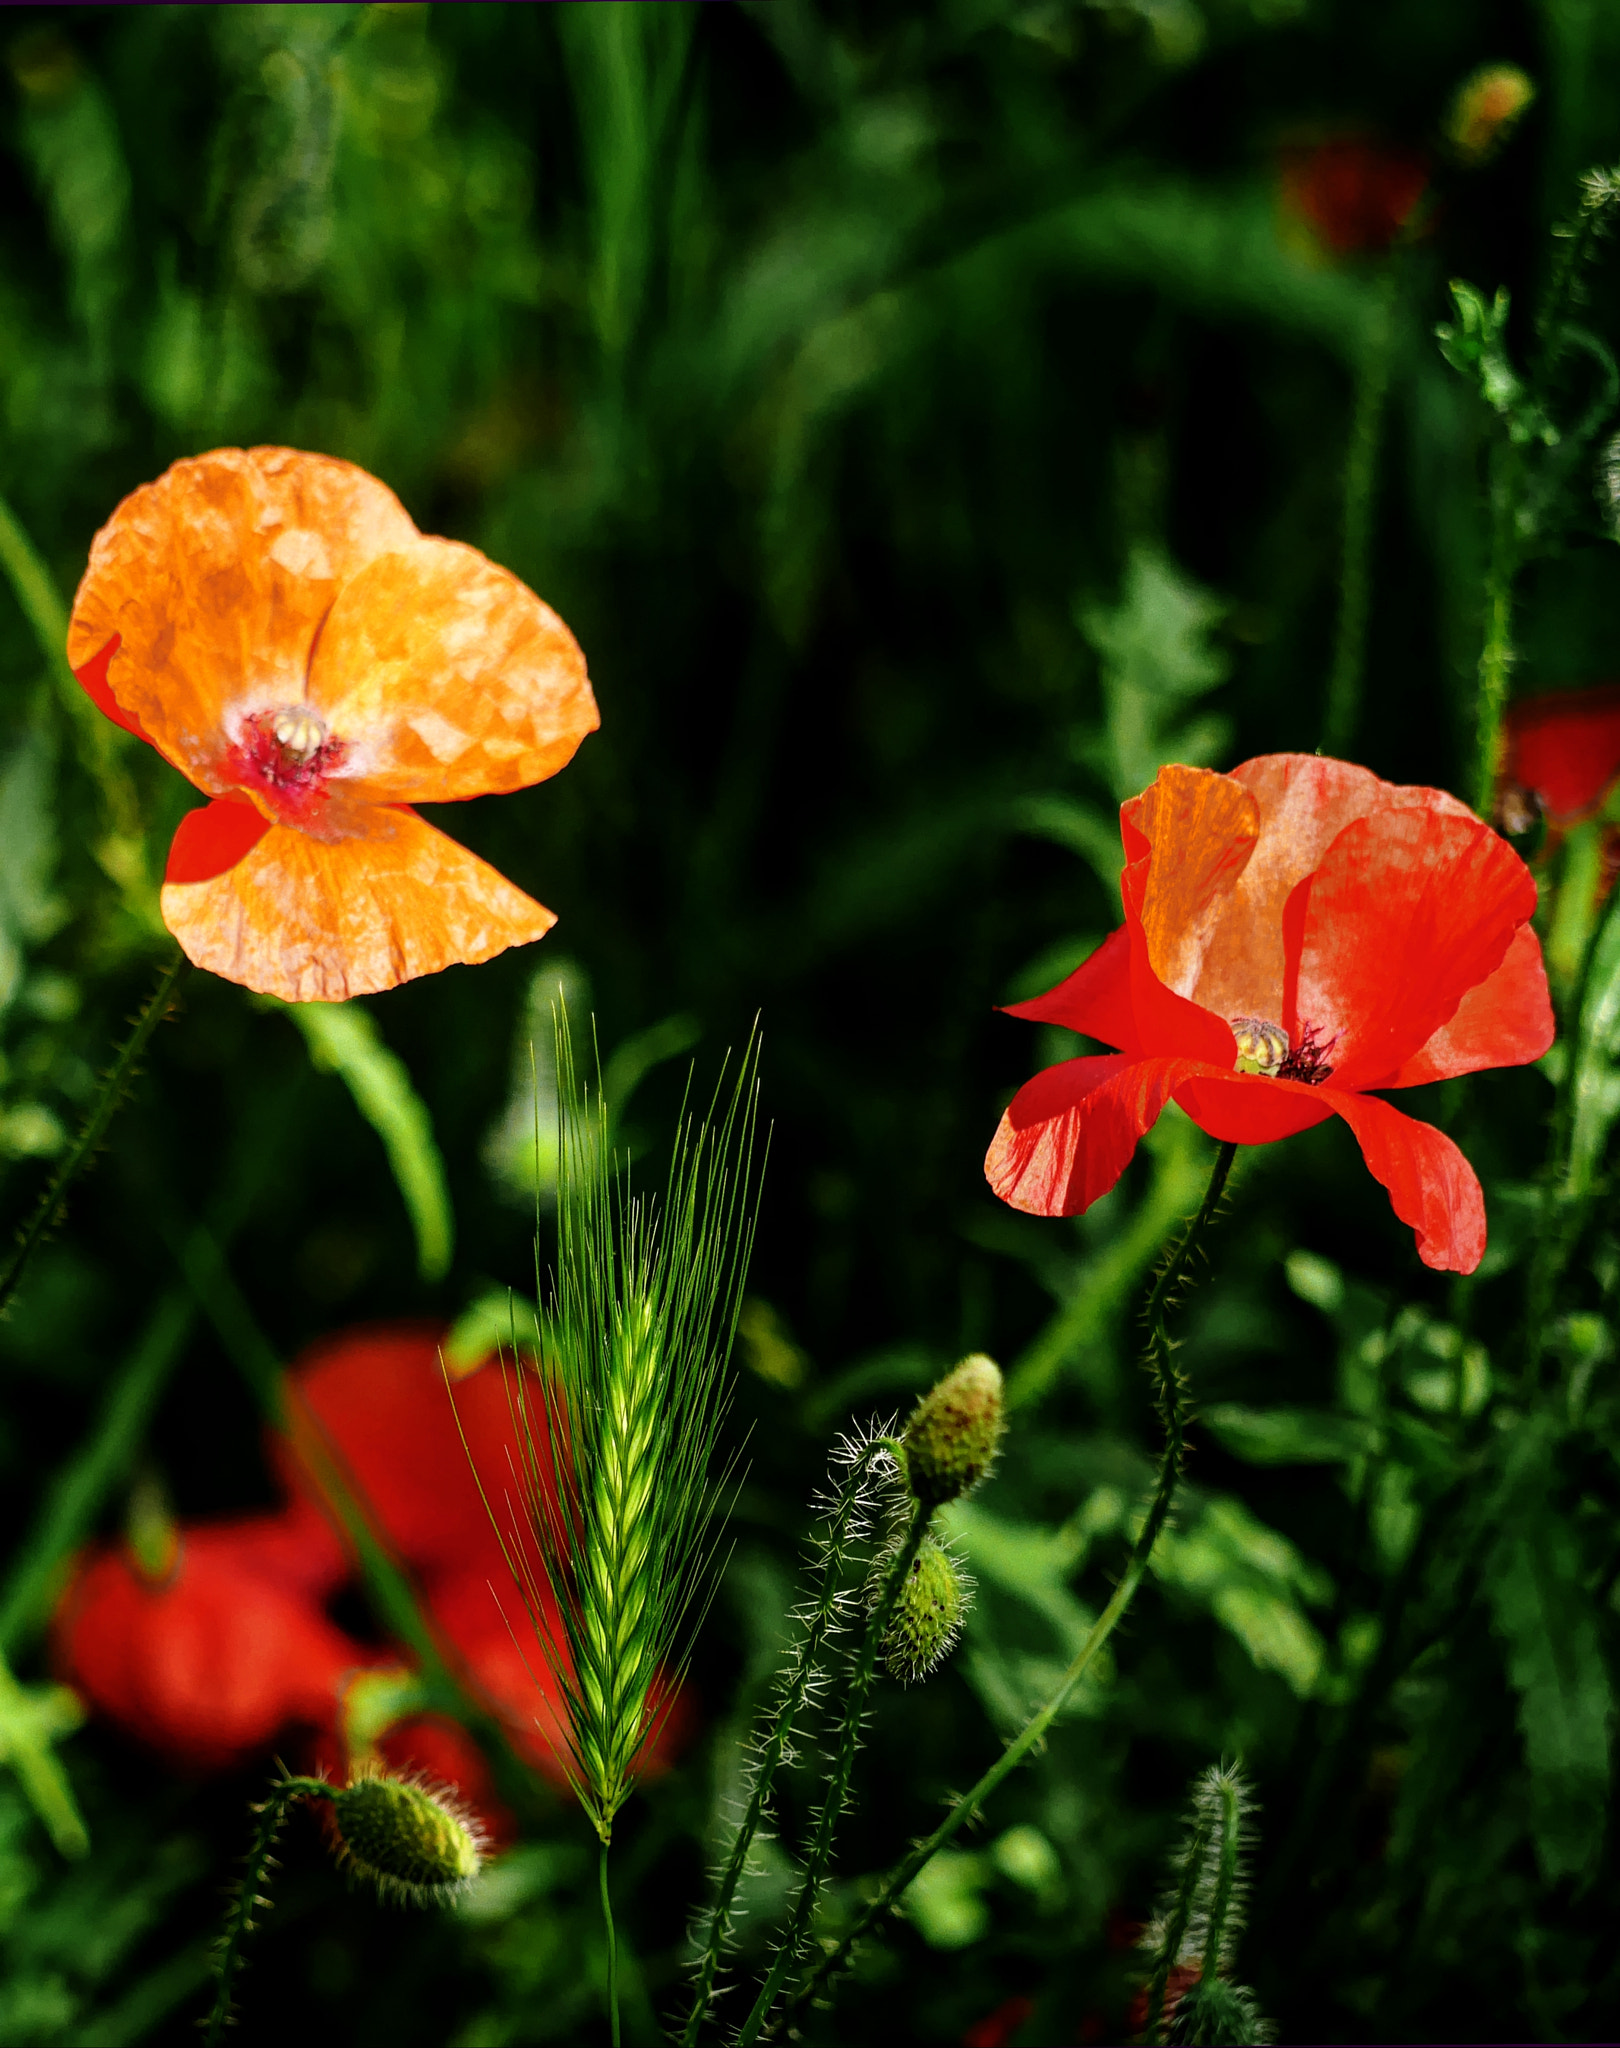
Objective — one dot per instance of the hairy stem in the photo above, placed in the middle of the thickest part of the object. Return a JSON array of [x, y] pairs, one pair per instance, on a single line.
[[1496, 655], [612, 1945], [832, 1806], [1170, 1400], [95, 1128], [1226, 1871], [1175, 1927], [272, 1811], [1360, 478], [801, 1673]]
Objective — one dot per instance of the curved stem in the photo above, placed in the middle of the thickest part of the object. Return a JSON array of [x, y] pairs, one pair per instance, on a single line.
[[832, 1806], [1169, 1398], [123, 1067], [612, 1946], [1176, 1925], [821, 1623], [272, 1811]]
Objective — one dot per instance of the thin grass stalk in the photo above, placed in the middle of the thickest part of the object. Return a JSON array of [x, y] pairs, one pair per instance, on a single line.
[[1170, 1399], [94, 1129], [821, 1619], [612, 1945], [1360, 481], [813, 1882]]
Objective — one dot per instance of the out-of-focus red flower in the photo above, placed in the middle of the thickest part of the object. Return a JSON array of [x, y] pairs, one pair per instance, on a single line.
[[1354, 194], [431, 1745], [1182, 1977], [1563, 748], [1296, 934], [217, 1660], [373, 1402], [997, 2028]]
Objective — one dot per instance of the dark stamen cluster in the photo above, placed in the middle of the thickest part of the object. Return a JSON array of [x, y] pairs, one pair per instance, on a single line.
[[1308, 1061]]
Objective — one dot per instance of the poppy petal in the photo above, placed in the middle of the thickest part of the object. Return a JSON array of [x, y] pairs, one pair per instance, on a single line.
[[1408, 911], [1095, 999], [1167, 1024], [1069, 1134], [1430, 1183], [1506, 1021], [446, 677], [92, 679], [1201, 830], [316, 921], [1251, 1109], [208, 842], [216, 579]]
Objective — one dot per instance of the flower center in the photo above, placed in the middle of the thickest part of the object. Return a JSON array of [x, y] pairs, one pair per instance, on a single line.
[[299, 734], [1263, 1048]]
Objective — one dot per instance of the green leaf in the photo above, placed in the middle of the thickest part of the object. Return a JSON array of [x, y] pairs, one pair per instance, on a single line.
[[1252, 1580], [1535, 1585], [1287, 1436], [32, 1720], [344, 1040]]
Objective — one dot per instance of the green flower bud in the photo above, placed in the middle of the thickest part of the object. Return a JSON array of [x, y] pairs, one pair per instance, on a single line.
[[413, 1842], [953, 1433], [927, 1616]]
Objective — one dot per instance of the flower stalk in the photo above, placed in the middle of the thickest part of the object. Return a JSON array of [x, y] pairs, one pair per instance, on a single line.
[[1170, 1399]]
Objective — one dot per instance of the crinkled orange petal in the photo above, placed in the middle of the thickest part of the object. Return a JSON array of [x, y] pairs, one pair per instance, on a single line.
[[1069, 1134], [216, 579], [1506, 1021], [1201, 828], [316, 921], [444, 676]]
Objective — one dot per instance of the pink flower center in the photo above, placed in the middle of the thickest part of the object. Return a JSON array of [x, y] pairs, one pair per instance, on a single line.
[[286, 756]]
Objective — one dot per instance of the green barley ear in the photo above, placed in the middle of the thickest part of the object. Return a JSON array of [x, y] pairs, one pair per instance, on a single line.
[[411, 1841], [954, 1432], [620, 1438], [928, 1614], [1193, 1937]]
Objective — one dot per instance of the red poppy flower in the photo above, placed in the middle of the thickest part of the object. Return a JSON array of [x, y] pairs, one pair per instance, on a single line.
[[274, 624], [1564, 747], [374, 1400], [1354, 194], [211, 1664], [1296, 934]]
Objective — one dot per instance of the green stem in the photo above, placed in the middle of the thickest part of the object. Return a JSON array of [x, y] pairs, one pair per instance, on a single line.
[[239, 1921], [832, 1805], [1360, 477], [1175, 1928], [1496, 656], [1226, 1871], [1169, 1394], [95, 1128], [612, 1947], [804, 1668]]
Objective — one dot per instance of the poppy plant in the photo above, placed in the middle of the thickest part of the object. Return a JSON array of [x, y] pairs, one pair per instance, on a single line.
[[1297, 934], [1563, 750], [276, 627]]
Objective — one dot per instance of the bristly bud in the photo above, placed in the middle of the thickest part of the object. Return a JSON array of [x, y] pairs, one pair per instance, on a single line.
[[414, 1842], [928, 1615], [1486, 110], [954, 1432], [1219, 2015]]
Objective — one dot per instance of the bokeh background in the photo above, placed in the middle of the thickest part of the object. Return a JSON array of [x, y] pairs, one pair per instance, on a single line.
[[929, 419]]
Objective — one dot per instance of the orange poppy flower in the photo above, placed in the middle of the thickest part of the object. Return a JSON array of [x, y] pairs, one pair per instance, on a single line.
[[1296, 934], [274, 624]]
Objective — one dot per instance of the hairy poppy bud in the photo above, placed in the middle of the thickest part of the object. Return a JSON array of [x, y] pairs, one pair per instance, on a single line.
[[927, 1616], [413, 1843], [953, 1433]]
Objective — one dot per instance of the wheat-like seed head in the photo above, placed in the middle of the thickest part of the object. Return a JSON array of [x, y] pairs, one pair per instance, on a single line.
[[619, 1431]]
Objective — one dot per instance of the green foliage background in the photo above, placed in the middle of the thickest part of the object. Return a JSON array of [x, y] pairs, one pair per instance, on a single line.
[[928, 424]]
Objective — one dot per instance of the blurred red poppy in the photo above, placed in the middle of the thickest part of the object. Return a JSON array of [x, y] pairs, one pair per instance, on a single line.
[[1564, 749], [373, 1402], [1354, 194], [997, 2028], [1182, 1977], [215, 1661], [1296, 933]]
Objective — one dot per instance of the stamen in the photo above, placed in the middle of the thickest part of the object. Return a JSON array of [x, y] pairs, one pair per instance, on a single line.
[[1308, 1061]]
